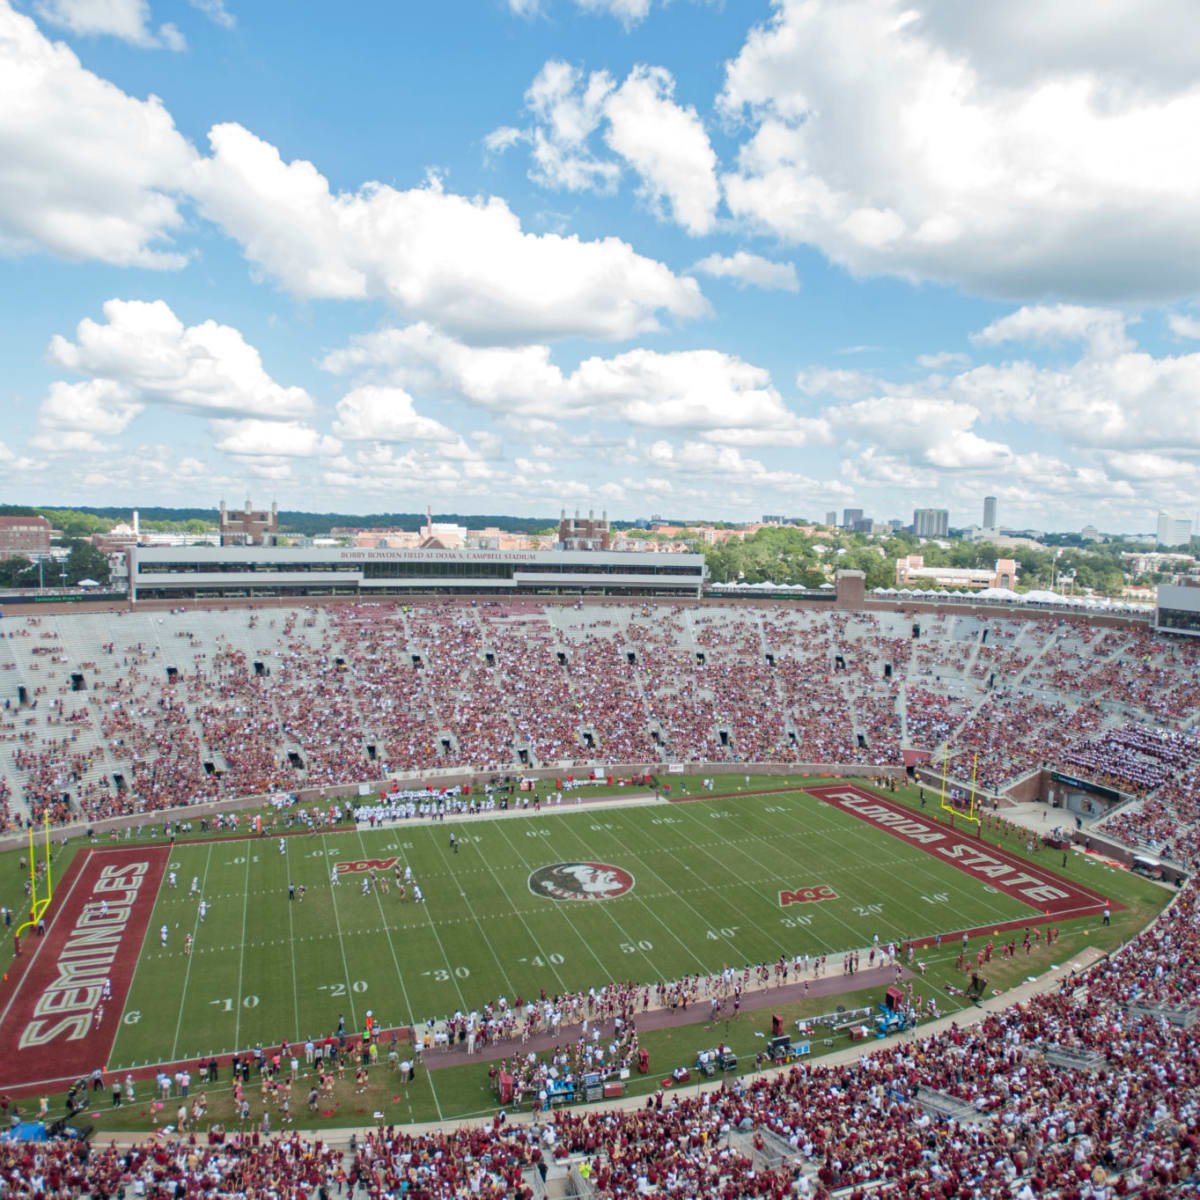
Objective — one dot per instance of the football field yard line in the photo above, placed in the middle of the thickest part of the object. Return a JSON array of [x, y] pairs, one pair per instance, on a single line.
[[561, 910], [780, 947], [187, 972], [337, 920], [237, 1003], [656, 971], [292, 937], [858, 835], [678, 895], [437, 937], [412, 1017], [857, 939], [491, 945]]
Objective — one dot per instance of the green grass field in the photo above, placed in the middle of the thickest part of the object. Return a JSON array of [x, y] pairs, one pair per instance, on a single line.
[[707, 873]]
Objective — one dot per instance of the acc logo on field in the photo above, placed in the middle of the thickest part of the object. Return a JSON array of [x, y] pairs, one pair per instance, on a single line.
[[821, 892], [580, 881], [366, 864]]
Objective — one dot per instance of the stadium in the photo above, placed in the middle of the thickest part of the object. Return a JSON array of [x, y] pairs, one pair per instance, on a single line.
[[559, 895]]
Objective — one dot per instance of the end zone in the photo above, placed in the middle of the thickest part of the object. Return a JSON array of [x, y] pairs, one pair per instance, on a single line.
[[1050, 894], [50, 1026]]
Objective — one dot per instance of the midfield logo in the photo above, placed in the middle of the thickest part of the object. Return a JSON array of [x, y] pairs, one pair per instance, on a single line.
[[822, 891], [580, 881]]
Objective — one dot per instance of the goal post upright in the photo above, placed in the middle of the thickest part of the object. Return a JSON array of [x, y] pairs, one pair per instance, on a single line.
[[947, 804], [37, 907]]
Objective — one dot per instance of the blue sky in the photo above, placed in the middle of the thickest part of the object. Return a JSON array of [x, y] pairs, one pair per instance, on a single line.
[[700, 259]]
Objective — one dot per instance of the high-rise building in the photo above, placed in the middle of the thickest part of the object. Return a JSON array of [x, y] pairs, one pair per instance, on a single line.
[[931, 522], [1173, 531], [850, 517], [831, 518], [989, 512]]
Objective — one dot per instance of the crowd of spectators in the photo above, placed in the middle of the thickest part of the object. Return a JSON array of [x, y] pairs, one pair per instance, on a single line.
[[338, 696]]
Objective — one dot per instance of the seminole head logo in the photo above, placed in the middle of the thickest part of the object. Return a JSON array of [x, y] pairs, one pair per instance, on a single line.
[[580, 881]]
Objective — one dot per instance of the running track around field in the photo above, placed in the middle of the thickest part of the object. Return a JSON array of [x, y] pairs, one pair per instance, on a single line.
[[1052, 896], [102, 906]]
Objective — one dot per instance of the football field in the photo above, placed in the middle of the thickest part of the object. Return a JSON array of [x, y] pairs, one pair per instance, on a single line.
[[570, 899]]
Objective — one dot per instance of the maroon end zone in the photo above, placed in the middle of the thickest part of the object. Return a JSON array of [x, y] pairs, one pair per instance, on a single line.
[[1050, 894], [48, 1024]]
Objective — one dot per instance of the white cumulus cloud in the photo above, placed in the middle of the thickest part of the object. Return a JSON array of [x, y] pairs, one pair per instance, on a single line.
[[128, 20], [466, 264], [146, 349], [251, 437], [668, 147], [1101, 329], [86, 171], [877, 138], [386, 414], [747, 269], [663, 142], [684, 389]]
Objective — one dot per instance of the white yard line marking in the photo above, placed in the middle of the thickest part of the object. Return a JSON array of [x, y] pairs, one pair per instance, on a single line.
[[188, 969], [292, 940], [342, 946], [677, 893], [412, 1017], [641, 899], [563, 910], [490, 944], [752, 922], [237, 1003]]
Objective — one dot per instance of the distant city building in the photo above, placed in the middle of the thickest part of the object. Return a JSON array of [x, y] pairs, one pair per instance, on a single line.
[[989, 512], [850, 517], [250, 527], [931, 522], [831, 518], [1178, 609], [590, 533], [771, 519], [1089, 533], [912, 569], [1141, 562], [1173, 531], [24, 536]]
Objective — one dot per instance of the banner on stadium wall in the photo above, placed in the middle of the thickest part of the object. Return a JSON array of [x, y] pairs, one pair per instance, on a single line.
[[675, 768], [599, 773], [364, 789]]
